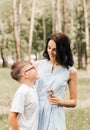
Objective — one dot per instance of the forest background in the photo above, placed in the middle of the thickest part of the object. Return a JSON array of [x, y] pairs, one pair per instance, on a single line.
[[24, 28]]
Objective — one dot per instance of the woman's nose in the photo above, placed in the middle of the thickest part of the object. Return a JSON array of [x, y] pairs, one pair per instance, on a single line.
[[51, 51]]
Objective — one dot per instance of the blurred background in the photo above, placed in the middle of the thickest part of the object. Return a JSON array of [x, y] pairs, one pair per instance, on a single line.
[[24, 28]]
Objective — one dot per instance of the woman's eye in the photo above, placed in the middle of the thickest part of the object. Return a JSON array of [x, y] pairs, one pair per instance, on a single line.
[[49, 47], [54, 49]]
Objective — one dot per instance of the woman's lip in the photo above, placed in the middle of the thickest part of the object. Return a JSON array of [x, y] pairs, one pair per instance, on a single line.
[[52, 55]]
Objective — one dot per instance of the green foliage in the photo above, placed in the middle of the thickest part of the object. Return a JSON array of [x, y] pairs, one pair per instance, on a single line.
[[38, 43], [79, 47], [43, 10]]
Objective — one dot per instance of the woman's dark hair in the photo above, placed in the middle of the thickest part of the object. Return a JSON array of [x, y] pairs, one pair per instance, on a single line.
[[63, 50], [17, 68]]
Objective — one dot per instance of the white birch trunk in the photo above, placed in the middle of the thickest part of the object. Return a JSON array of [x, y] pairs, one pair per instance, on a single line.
[[64, 16], [31, 29], [3, 45], [19, 17], [53, 16], [58, 17], [44, 31], [17, 39]]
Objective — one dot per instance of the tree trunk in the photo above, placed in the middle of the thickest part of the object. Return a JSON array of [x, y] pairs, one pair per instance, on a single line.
[[31, 29], [3, 47], [72, 19], [53, 16], [16, 31], [80, 65], [58, 17], [44, 31], [4, 57], [19, 18], [86, 35], [64, 16]]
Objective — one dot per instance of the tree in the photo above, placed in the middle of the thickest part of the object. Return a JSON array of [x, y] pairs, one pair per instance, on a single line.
[[86, 35], [64, 16], [53, 16], [3, 47], [44, 30], [56, 16], [31, 29], [79, 44], [49, 17], [16, 31]]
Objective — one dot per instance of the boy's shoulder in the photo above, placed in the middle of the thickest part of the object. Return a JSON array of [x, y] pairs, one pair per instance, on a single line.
[[22, 89]]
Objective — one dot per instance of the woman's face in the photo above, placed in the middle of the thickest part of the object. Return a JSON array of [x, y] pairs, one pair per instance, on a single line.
[[51, 49]]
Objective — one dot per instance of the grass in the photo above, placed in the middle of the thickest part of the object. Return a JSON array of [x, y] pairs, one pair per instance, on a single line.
[[83, 85], [76, 118], [3, 122], [7, 88]]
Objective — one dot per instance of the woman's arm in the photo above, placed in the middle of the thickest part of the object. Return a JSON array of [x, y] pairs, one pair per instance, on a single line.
[[13, 120], [72, 83]]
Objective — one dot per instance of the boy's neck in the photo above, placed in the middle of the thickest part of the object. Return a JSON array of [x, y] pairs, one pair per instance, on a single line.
[[30, 84]]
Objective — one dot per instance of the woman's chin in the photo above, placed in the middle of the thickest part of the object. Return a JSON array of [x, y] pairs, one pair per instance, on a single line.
[[52, 58]]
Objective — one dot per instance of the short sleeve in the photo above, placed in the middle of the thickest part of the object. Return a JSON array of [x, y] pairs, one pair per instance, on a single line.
[[18, 102]]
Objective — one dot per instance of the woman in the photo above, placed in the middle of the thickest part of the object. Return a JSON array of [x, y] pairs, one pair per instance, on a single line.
[[56, 72]]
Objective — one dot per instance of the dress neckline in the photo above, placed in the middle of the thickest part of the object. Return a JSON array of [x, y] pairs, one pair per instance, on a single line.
[[52, 64], [55, 68]]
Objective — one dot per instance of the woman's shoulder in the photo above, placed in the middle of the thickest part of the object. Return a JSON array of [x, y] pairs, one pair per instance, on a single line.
[[73, 71]]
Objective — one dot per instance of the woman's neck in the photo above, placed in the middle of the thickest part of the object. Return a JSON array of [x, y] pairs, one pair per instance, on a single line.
[[54, 63]]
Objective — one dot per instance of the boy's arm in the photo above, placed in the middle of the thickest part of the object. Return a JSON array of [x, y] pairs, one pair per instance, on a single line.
[[13, 120]]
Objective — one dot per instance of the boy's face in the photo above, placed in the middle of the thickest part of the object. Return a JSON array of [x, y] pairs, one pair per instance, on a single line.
[[30, 72]]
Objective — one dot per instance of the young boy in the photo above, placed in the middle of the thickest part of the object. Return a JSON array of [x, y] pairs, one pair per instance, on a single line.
[[24, 110]]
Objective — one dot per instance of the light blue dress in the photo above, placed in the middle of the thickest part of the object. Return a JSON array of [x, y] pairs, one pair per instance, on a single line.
[[51, 117]]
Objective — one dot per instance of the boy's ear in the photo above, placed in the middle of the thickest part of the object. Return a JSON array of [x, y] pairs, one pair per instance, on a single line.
[[25, 75]]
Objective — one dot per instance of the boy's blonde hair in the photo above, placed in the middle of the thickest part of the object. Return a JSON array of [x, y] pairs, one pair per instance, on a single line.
[[17, 68]]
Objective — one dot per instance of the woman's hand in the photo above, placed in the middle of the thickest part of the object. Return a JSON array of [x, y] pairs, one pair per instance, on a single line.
[[54, 100]]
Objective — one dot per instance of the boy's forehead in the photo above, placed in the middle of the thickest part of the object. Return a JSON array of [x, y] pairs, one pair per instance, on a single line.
[[27, 66]]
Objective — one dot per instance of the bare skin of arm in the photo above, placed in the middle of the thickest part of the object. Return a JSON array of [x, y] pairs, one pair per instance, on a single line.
[[13, 121], [72, 101]]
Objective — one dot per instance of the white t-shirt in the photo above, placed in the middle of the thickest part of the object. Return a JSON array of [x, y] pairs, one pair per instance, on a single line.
[[25, 103]]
